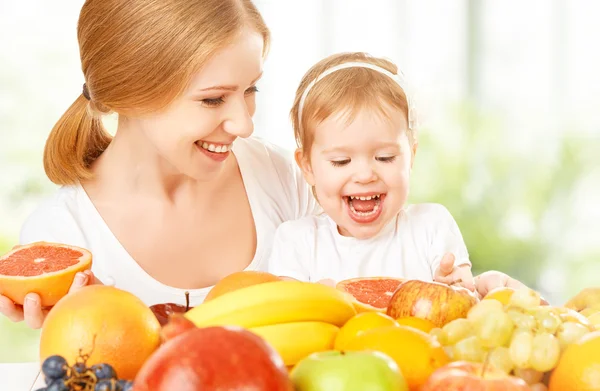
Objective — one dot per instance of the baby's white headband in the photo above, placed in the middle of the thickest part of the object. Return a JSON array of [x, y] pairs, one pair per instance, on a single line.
[[355, 64]]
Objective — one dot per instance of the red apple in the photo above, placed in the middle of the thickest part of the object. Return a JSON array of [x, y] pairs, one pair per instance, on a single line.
[[164, 311], [436, 302], [223, 358], [472, 376], [177, 325]]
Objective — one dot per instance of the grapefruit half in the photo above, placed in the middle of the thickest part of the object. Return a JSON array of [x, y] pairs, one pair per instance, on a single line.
[[370, 293], [45, 268]]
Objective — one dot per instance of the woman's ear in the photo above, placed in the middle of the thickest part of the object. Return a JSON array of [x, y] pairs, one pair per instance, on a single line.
[[303, 162]]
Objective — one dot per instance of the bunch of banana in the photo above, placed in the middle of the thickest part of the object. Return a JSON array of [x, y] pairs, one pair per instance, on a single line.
[[296, 318]]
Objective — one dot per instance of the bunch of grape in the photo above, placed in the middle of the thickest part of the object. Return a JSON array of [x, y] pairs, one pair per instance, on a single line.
[[521, 338], [60, 376]]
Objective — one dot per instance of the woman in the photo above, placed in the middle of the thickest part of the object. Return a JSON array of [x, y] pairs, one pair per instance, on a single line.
[[180, 197]]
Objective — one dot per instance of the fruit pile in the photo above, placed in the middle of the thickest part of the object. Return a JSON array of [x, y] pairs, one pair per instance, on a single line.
[[59, 376], [257, 331]]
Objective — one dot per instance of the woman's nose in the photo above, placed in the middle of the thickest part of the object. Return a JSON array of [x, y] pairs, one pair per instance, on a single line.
[[239, 120]]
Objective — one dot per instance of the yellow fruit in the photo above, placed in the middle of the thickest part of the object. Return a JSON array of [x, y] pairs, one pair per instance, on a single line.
[[239, 280], [589, 311], [417, 354], [418, 323], [595, 320], [502, 294], [295, 341], [579, 366], [586, 298], [275, 302], [360, 323], [111, 325]]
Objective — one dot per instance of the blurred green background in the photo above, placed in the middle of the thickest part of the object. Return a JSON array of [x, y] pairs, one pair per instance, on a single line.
[[508, 96]]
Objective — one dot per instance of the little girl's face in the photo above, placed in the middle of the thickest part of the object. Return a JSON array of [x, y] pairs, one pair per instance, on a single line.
[[360, 170]]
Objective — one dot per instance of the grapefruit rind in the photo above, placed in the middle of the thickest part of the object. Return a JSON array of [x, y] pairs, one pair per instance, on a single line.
[[359, 305], [51, 286]]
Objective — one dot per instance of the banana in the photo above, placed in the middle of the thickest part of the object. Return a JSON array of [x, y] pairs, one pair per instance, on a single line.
[[273, 303], [294, 341]]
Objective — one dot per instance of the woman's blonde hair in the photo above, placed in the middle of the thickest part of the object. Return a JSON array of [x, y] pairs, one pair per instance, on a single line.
[[345, 91], [138, 56]]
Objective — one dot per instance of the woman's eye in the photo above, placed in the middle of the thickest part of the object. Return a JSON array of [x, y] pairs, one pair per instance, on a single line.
[[339, 163], [251, 90], [213, 102], [386, 159]]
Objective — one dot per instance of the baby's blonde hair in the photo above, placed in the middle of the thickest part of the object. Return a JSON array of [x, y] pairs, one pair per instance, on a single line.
[[346, 91]]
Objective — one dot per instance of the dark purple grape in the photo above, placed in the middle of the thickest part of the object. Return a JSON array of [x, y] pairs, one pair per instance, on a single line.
[[79, 368], [108, 385], [104, 371], [126, 385], [54, 367], [57, 385]]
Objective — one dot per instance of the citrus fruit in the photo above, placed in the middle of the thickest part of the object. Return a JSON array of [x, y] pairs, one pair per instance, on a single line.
[[417, 354], [47, 269], [237, 280], [110, 325], [579, 366], [370, 293], [418, 323], [502, 294], [360, 323]]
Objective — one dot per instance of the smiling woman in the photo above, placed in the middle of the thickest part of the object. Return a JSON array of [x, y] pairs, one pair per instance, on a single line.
[[182, 195]]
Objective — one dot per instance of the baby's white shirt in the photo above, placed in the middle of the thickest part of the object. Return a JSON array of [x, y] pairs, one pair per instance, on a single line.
[[275, 189], [410, 246]]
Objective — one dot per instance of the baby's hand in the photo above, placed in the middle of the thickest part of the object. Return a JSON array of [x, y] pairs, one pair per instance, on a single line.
[[449, 274]]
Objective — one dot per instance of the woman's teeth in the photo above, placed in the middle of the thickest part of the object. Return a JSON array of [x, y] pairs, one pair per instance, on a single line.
[[215, 148]]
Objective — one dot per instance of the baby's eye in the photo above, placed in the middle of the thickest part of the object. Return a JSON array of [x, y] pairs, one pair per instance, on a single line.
[[340, 163], [386, 159], [213, 102]]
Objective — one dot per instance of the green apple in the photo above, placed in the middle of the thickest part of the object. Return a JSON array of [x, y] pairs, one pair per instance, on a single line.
[[334, 370]]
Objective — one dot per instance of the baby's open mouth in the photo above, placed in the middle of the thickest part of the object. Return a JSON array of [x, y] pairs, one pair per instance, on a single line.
[[364, 205]]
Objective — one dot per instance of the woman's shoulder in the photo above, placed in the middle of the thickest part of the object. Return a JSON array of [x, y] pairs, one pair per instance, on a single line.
[[265, 153], [273, 169], [55, 219]]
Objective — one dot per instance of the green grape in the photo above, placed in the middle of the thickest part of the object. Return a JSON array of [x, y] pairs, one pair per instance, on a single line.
[[547, 321], [438, 334], [538, 387], [469, 349], [500, 358], [521, 319], [456, 330], [545, 352], [483, 309], [531, 376], [569, 332], [524, 298], [495, 329], [449, 349], [520, 347]]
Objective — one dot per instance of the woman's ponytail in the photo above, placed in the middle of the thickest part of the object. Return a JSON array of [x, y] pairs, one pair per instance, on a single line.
[[77, 139]]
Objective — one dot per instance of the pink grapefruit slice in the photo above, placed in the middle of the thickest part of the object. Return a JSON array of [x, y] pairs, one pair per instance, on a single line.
[[370, 293], [45, 268]]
